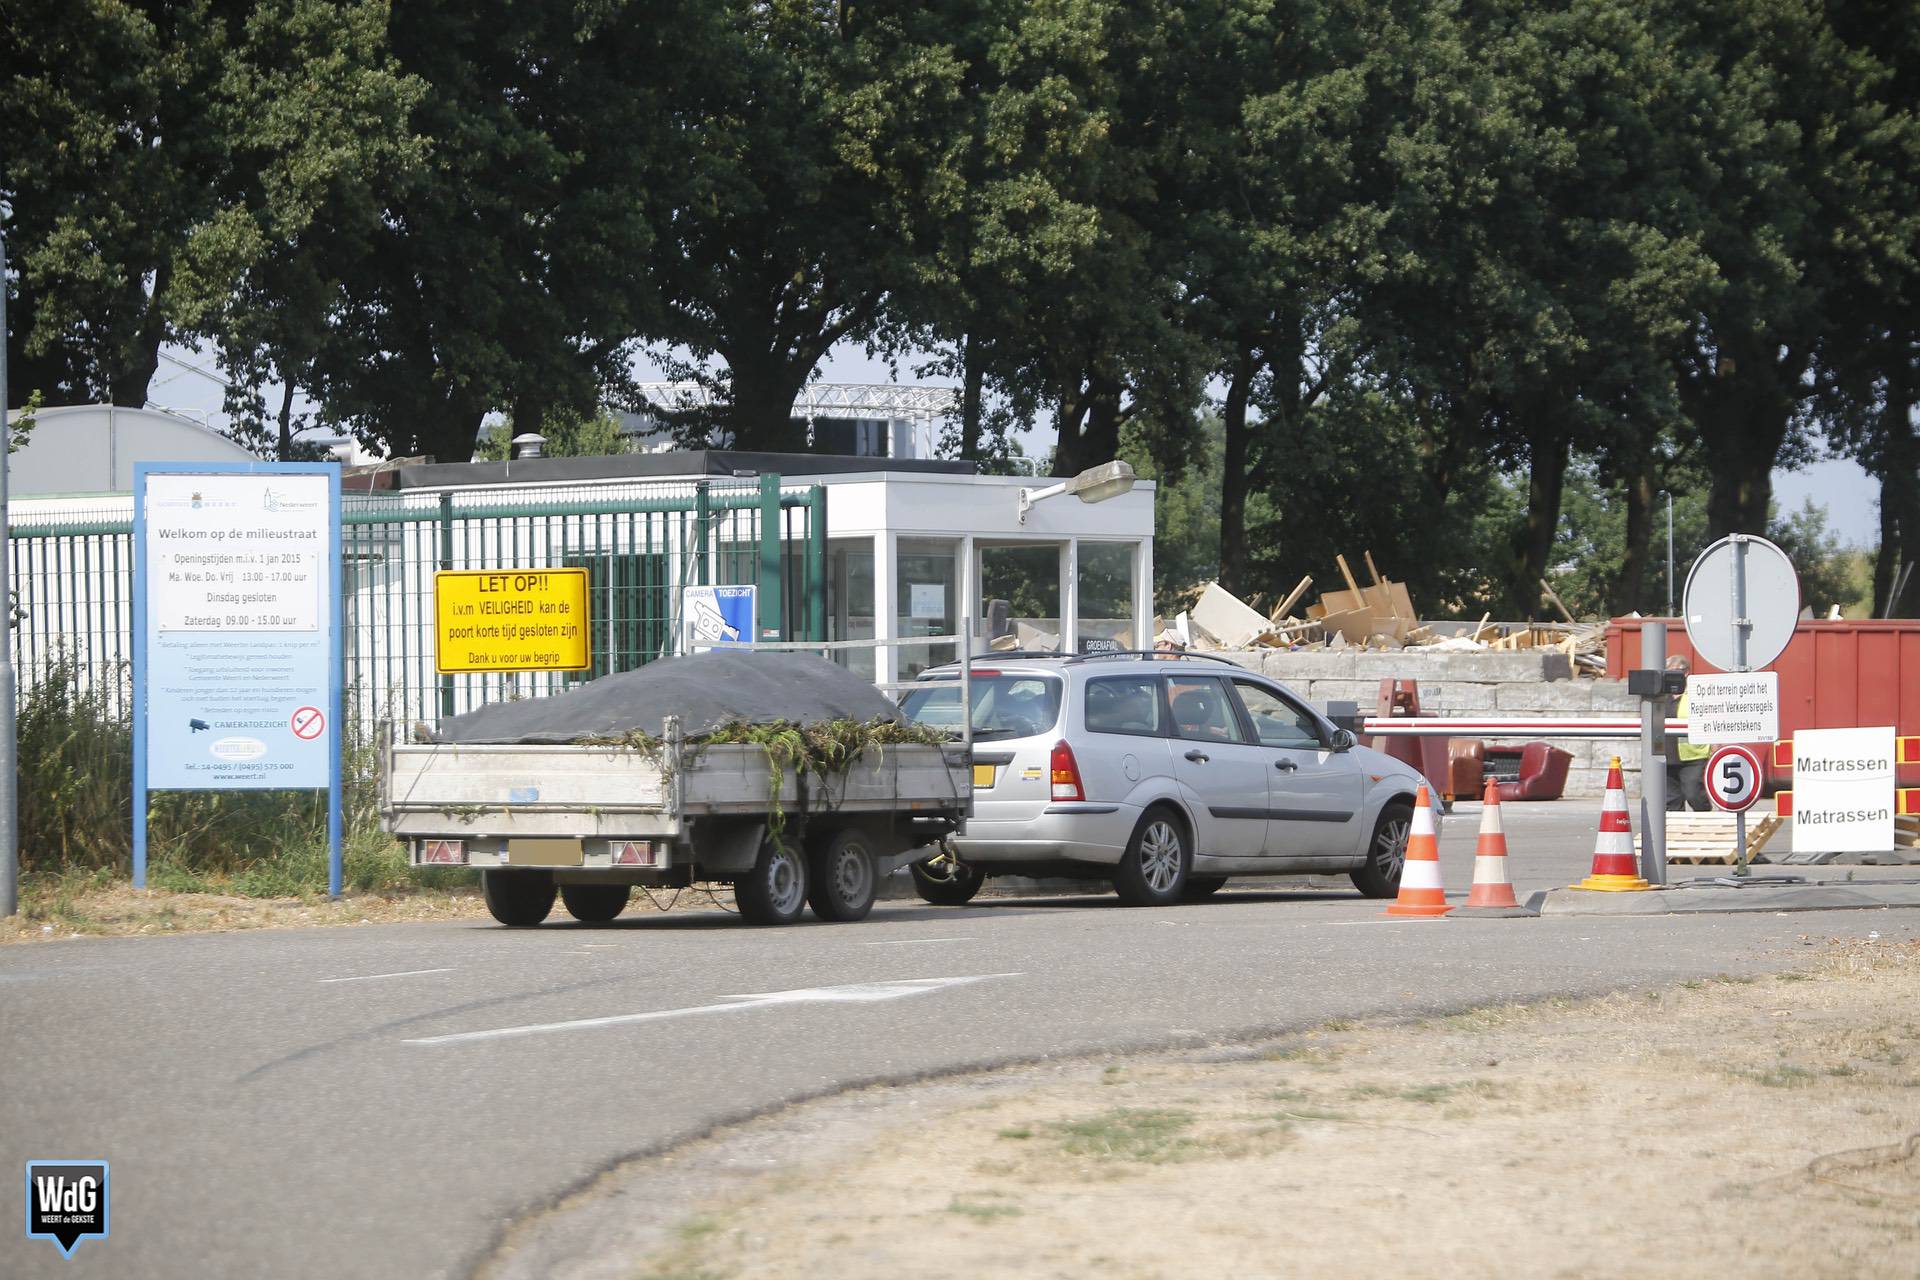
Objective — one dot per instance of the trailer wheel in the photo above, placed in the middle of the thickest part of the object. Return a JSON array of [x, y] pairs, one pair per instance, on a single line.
[[518, 898], [946, 882], [594, 903], [841, 879], [775, 891]]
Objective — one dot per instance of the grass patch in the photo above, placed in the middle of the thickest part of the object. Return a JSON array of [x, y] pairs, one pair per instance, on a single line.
[[1783, 1076], [1148, 1135], [979, 1211], [1018, 1133]]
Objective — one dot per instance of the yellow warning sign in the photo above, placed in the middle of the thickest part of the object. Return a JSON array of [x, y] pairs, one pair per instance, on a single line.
[[510, 620]]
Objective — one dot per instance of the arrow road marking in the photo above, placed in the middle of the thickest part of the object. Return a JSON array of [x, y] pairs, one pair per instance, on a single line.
[[852, 993]]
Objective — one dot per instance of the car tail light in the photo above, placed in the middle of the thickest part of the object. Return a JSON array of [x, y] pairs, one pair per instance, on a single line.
[[445, 851], [1066, 774]]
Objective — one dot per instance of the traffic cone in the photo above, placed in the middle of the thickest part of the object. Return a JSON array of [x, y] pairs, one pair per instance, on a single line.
[[1614, 868], [1492, 893], [1421, 893]]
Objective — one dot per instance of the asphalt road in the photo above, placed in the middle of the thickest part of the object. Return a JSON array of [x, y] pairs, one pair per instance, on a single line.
[[384, 1101]]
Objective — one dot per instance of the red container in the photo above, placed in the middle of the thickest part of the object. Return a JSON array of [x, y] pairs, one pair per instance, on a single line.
[[1834, 675]]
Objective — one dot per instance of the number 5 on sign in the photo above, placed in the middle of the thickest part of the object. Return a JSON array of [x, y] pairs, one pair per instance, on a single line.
[[1733, 778]]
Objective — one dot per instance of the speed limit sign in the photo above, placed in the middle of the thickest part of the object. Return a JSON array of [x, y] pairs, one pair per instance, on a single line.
[[1733, 778]]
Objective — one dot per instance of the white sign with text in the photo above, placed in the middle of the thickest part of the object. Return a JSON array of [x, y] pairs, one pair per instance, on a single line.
[[1735, 708], [1843, 790]]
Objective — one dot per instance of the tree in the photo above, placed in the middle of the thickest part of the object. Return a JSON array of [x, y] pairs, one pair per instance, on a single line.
[[155, 150], [507, 271]]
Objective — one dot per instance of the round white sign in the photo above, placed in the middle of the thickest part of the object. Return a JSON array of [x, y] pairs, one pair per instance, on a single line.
[[1742, 594], [1734, 778]]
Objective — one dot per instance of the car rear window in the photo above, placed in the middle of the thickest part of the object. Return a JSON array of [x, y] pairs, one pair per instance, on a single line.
[[1125, 704], [1005, 705]]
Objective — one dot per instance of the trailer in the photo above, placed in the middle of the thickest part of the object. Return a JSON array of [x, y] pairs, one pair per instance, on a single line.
[[587, 822]]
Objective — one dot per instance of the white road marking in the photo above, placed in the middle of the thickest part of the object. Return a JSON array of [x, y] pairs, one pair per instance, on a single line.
[[906, 942], [852, 993], [404, 973]]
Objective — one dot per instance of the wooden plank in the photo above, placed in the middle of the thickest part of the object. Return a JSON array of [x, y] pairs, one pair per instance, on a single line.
[[1347, 574], [1368, 556], [1293, 598], [1558, 603]]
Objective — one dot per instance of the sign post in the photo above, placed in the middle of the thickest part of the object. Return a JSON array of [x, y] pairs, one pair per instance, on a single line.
[[1733, 784], [236, 635], [1741, 604]]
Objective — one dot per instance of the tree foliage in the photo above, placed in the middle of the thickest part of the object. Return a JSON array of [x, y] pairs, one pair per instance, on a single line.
[[1435, 277]]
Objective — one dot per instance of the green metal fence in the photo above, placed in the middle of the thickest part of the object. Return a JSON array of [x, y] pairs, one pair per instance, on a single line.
[[640, 542]]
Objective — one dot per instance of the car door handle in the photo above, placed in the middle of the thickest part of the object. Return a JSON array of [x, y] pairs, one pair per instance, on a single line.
[[1286, 766], [1198, 757]]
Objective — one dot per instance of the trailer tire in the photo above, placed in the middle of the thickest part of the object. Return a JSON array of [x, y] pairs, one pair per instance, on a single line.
[[775, 890], [946, 882], [595, 903], [841, 880], [518, 899]]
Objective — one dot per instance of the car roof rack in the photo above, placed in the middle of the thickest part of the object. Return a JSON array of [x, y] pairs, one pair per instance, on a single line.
[[1151, 653], [999, 656]]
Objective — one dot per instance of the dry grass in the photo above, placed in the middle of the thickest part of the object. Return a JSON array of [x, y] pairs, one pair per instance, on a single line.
[[1759, 1128]]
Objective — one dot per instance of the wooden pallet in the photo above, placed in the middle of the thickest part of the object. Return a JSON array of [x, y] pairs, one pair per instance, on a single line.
[[1695, 838], [1906, 831]]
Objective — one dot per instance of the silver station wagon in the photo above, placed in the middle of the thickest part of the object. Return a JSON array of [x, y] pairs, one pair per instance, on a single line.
[[1168, 772]]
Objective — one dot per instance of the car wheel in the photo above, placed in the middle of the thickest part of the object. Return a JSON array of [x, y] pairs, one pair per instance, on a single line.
[[1379, 876], [1153, 870], [518, 898], [775, 891], [1199, 887], [594, 903], [840, 880], [945, 881]]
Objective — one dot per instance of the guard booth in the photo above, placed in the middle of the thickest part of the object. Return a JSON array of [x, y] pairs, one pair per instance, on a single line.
[[911, 554]]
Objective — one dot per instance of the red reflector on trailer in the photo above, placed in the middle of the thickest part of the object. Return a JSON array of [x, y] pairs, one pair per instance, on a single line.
[[449, 851], [1783, 803], [634, 853], [1783, 753]]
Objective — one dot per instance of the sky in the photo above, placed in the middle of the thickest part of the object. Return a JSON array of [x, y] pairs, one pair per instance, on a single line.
[[1849, 494]]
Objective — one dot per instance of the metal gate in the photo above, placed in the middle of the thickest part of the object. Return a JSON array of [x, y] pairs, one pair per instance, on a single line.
[[640, 542]]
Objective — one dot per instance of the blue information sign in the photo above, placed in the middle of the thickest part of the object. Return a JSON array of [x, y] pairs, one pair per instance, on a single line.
[[237, 659]]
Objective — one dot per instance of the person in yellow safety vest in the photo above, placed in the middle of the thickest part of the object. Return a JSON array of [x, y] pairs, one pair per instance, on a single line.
[[1686, 763]]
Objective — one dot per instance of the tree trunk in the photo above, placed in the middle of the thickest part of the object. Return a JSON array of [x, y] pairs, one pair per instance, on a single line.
[[972, 381], [760, 417], [1548, 448], [1630, 585], [286, 421], [1899, 504], [1743, 412], [1234, 481], [140, 358], [1091, 435]]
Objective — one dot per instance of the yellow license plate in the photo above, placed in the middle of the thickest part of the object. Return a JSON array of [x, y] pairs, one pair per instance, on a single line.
[[983, 775]]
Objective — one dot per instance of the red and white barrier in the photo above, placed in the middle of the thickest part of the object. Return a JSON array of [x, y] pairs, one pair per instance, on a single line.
[[1627, 727]]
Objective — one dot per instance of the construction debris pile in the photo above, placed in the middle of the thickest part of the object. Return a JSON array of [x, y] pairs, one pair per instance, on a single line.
[[1378, 616]]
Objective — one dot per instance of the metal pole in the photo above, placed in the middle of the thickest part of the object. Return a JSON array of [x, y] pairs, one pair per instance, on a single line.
[[966, 703], [9, 747], [446, 562], [1741, 625], [1653, 760], [1669, 553]]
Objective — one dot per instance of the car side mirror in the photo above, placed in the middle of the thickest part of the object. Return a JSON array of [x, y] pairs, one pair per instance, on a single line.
[[1343, 740]]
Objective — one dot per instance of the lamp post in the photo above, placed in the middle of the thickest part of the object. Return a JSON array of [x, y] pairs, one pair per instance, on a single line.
[[1095, 484]]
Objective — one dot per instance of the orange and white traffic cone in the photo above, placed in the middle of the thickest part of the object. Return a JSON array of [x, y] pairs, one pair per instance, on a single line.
[[1421, 893], [1492, 893], [1614, 868]]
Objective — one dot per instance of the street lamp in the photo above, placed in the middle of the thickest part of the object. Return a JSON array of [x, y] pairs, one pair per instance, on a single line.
[[1095, 484]]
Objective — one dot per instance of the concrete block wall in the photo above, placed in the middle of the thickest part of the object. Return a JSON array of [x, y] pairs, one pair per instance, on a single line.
[[1525, 683]]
